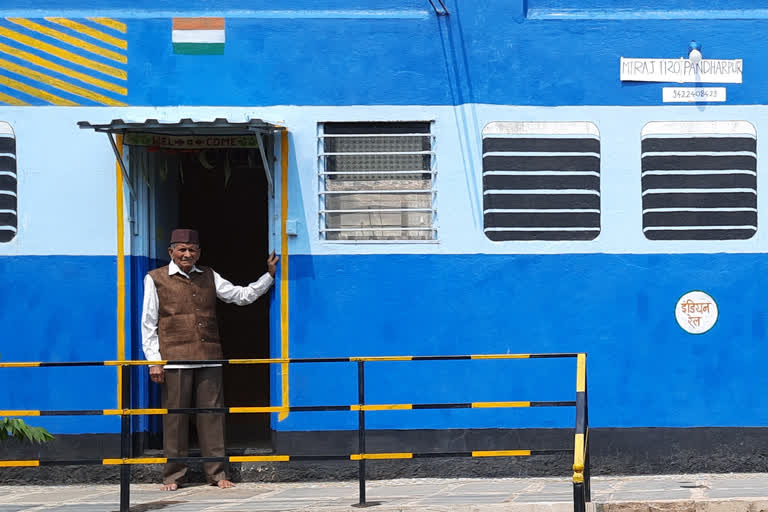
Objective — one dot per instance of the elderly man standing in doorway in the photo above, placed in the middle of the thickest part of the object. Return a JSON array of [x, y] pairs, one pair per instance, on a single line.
[[179, 324]]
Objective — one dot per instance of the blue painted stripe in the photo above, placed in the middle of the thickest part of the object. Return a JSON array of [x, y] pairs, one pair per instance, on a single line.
[[121, 14], [647, 14], [421, 62], [59, 308], [644, 370]]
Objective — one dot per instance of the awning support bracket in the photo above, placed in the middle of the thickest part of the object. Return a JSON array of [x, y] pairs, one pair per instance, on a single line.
[[126, 176], [267, 167]]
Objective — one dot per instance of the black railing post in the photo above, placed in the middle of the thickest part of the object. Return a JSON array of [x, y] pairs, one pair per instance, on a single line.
[[361, 429], [579, 503], [125, 440]]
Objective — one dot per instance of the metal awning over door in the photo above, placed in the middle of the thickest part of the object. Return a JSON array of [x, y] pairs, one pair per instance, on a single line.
[[190, 134]]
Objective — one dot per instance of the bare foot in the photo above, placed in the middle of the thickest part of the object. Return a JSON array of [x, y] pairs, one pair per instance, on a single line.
[[224, 484], [169, 487]]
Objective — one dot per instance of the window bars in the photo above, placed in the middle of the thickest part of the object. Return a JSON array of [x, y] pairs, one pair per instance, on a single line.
[[376, 181], [699, 180], [541, 181], [8, 184]]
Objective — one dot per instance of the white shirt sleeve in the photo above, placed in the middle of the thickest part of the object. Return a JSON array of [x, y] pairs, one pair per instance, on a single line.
[[241, 295], [149, 342]]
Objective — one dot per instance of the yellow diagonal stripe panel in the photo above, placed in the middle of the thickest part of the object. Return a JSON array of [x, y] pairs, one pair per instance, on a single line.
[[259, 458], [37, 93], [380, 456], [19, 413], [502, 453], [489, 405], [43, 63], [10, 100], [59, 84], [62, 54], [18, 463], [55, 34], [109, 22], [90, 32]]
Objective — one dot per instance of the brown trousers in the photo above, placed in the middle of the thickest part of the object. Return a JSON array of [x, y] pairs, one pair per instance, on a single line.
[[193, 387]]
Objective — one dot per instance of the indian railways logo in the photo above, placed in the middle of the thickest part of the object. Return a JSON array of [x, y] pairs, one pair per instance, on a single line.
[[696, 312]]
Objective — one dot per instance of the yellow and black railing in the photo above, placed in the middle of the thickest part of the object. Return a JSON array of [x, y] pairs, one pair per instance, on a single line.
[[581, 469]]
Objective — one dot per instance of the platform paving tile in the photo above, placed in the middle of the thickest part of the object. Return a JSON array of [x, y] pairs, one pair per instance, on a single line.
[[492, 486], [404, 495], [463, 499], [651, 495], [546, 498]]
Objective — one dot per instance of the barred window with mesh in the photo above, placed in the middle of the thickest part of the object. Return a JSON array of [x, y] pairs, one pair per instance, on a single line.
[[376, 181], [699, 180], [8, 184], [541, 181]]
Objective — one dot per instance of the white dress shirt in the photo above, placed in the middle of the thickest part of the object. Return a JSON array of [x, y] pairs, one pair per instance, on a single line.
[[226, 291]]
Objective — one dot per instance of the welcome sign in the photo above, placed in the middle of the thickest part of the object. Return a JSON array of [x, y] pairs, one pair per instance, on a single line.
[[191, 141], [681, 70]]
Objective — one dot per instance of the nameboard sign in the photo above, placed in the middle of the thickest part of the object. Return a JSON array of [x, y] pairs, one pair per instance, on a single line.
[[191, 141], [681, 70]]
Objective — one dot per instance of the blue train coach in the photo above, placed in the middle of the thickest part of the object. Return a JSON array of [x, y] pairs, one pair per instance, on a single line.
[[439, 178]]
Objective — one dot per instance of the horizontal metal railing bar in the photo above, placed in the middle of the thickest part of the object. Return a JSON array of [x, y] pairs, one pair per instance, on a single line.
[[47, 364], [278, 409], [278, 458]]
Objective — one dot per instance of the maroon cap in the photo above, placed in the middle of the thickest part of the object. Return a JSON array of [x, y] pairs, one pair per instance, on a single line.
[[185, 236]]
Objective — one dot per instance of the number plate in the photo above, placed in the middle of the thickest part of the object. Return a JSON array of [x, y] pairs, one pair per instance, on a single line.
[[692, 94]]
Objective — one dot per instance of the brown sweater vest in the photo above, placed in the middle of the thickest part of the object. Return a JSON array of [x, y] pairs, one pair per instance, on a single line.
[[186, 325]]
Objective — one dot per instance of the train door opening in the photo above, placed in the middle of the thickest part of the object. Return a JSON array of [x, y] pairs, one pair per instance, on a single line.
[[224, 195]]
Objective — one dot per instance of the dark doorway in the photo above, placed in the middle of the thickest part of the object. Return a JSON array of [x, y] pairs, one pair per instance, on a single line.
[[223, 194]]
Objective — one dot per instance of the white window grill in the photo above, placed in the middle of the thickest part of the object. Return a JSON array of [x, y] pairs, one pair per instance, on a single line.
[[377, 181], [8, 184], [541, 181], [699, 180]]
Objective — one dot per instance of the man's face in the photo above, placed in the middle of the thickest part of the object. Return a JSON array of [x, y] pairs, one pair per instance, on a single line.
[[184, 255]]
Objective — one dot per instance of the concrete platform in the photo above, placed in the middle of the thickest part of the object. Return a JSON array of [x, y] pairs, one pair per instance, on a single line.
[[679, 493]]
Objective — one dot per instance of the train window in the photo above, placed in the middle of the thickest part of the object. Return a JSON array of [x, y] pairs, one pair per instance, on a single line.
[[541, 181], [8, 184], [699, 180], [376, 181]]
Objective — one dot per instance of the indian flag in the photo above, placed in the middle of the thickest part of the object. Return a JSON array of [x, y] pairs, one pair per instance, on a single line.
[[198, 36]]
